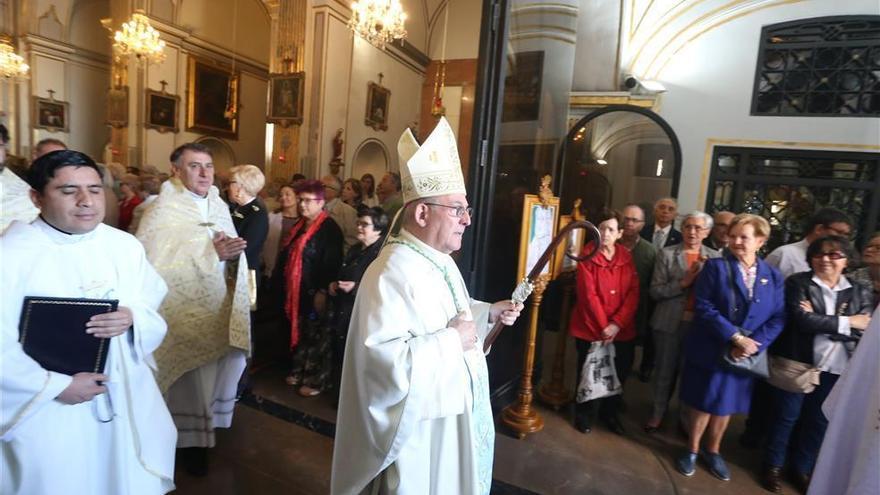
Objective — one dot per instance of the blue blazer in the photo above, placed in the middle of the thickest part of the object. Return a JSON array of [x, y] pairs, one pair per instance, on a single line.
[[717, 318]]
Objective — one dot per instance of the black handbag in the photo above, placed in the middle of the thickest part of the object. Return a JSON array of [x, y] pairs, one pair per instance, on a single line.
[[755, 365]]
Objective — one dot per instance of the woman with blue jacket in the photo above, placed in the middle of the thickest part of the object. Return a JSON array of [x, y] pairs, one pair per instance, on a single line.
[[739, 310]]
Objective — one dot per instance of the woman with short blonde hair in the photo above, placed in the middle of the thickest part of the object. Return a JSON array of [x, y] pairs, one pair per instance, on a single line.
[[249, 214], [249, 178]]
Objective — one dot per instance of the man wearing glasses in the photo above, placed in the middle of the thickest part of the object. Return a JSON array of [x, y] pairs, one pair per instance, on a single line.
[[343, 214], [414, 414], [792, 258]]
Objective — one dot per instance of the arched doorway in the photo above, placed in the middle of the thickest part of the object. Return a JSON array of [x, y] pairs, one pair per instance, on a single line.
[[370, 158], [224, 157], [619, 155]]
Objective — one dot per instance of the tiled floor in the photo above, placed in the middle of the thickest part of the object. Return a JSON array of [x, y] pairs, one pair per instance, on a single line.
[[281, 443]]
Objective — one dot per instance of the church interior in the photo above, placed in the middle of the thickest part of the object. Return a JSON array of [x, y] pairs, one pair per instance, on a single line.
[[769, 107]]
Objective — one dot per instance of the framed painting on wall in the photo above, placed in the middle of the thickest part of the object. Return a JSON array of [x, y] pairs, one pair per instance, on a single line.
[[117, 106], [538, 228], [51, 114], [286, 98], [162, 111], [378, 98], [212, 99]]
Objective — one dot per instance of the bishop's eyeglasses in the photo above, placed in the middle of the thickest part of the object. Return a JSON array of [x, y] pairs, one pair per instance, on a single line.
[[458, 211]]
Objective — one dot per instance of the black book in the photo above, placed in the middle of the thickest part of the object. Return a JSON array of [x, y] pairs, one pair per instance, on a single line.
[[52, 331]]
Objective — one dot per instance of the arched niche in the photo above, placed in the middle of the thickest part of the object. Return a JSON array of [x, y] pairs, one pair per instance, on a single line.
[[617, 155], [224, 157], [370, 157]]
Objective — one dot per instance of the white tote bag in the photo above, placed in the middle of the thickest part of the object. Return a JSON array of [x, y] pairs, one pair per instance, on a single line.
[[598, 376]]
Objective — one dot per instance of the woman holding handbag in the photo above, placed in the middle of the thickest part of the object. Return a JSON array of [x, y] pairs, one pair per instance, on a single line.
[[739, 311], [826, 317], [606, 298]]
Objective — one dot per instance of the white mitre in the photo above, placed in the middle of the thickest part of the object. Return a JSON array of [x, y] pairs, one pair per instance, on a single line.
[[434, 169]]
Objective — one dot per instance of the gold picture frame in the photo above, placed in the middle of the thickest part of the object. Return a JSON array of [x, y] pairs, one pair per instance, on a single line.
[[539, 223], [117, 106], [378, 99], [51, 114], [212, 98], [286, 93], [162, 111]]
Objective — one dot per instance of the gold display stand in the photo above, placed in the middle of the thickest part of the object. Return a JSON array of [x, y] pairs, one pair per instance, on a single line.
[[555, 394], [520, 416]]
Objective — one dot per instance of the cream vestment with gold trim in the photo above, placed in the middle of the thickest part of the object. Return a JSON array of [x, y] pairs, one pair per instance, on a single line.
[[207, 308]]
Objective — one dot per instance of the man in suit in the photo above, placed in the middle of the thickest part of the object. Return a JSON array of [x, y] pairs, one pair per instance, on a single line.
[[717, 239], [662, 232]]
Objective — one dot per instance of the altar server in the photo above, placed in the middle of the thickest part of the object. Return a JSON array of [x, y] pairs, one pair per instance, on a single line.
[[70, 434]]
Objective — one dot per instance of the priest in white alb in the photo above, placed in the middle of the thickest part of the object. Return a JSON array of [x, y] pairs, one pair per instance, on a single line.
[[850, 456], [15, 198], [189, 237], [414, 414], [70, 434]]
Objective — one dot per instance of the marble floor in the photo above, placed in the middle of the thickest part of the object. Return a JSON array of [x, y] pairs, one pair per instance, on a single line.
[[281, 443]]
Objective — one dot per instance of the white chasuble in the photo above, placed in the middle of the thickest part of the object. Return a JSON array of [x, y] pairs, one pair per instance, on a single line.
[[850, 454], [119, 443], [208, 307], [414, 414], [15, 200]]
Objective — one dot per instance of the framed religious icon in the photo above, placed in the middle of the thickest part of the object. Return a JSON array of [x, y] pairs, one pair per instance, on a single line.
[[162, 111], [538, 229], [51, 114], [212, 99], [286, 98], [378, 98], [117, 106]]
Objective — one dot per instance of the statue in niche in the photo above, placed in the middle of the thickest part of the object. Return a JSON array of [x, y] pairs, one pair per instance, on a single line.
[[338, 145]]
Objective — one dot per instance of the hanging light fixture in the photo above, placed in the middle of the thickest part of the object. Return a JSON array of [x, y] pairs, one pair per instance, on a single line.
[[378, 21], [12, 66], [140, 40]]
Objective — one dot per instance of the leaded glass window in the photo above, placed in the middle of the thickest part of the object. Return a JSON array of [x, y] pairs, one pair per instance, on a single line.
[[787, 186], [827, 66]]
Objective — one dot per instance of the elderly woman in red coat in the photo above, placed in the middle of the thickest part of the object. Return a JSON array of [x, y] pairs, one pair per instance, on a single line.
[[607, 295]]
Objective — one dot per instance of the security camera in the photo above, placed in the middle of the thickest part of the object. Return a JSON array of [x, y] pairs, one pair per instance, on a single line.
[[638, 86]]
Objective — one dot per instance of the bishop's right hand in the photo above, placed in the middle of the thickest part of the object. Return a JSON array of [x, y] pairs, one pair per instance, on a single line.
[[83, 388], [467, 330]]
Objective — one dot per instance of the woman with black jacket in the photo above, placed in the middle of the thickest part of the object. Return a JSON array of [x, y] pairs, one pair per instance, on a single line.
[[372, 225], [826, 315]]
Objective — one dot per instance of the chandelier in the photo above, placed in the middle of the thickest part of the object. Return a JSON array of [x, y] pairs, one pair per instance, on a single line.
[[139, 39], [378, 21], [12, 66]]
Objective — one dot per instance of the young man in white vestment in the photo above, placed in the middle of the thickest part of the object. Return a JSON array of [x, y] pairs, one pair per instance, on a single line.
[[414, 413], [70, 434], [15, 198], [189, 237]]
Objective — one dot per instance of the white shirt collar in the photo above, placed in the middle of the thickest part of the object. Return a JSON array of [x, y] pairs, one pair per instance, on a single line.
[[842, 284], [664, 229], [59, 237]]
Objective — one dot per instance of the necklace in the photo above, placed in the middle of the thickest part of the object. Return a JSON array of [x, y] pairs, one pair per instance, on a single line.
[[458, 307]]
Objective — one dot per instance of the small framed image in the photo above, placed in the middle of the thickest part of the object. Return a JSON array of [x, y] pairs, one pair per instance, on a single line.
[[538, 229], [378, 98], [51, 114], [117, 106], [162, 111], [286, 98]]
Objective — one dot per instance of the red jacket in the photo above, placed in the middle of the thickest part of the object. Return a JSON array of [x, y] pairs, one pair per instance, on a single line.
[[606, 291]]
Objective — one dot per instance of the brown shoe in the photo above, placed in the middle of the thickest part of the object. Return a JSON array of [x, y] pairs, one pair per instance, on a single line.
[[771, 479], [800, 481]]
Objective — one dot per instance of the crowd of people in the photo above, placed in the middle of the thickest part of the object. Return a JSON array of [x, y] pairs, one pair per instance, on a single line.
[[737, 333], [378, 314]]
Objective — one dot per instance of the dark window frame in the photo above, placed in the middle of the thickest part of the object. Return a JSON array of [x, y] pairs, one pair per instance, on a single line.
[[744, 175], [840, 32]]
